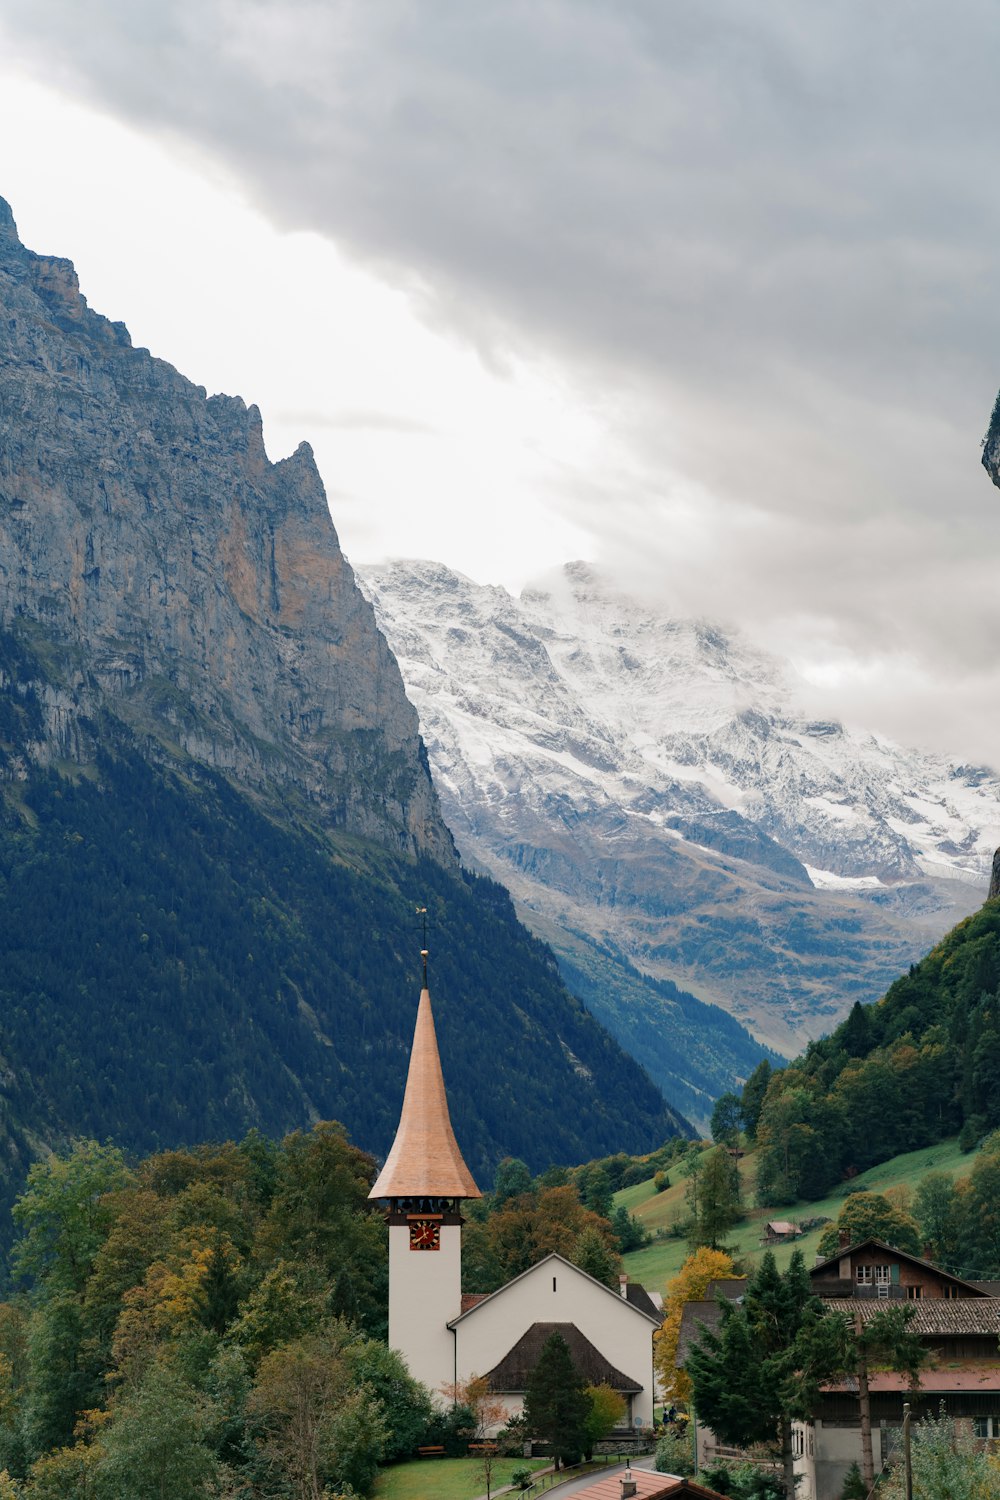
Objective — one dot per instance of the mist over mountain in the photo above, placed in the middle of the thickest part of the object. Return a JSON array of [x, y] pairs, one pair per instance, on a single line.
[[652, 790], [216, 812]]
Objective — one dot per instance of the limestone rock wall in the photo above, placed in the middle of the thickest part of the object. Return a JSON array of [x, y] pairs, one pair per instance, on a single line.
[[164, 570]]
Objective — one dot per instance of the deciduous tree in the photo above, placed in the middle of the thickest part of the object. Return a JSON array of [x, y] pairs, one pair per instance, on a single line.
[[63, 1215], [871, 1216], [607, 1409], [154, 1448], [689, 1285]]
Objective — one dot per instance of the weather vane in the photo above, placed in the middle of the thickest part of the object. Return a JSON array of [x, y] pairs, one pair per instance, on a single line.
[[422, 912]]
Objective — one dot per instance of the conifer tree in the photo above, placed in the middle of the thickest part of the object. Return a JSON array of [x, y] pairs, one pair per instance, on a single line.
[[591, 1254], [556, 1404], [763, 1367]]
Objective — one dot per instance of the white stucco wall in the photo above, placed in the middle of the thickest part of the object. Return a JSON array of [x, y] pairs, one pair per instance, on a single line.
[[828, 1453], [556, 1292], [425, 1292]]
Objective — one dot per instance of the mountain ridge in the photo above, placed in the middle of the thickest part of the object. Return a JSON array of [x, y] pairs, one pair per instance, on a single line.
[[216, 811], [156, 540], [675, 801]]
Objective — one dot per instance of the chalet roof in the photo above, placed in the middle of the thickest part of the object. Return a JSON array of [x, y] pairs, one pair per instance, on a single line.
[[988, 1288], [554, 1257], [973, 1290], [514, 1370], [932, 1317], [935, 1315], [425, 1161], [782, 1226], [931, 1381]]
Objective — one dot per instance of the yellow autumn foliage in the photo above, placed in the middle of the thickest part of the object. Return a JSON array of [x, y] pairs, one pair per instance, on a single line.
[[689, 1285]]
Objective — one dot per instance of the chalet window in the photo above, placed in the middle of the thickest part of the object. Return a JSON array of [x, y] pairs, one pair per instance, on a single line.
[[882, 1273], [913, 1292], [952, 1291], [864, 1275], [986, 1427]]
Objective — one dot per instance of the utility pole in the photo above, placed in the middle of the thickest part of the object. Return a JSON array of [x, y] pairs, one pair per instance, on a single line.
[[907, 1466]]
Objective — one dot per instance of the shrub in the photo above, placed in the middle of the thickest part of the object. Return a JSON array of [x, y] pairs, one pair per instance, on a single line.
[[673, 1454], [854, 1485]]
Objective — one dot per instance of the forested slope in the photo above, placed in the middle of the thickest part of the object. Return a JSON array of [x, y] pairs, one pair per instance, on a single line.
[[919, 1065], [175, 966]]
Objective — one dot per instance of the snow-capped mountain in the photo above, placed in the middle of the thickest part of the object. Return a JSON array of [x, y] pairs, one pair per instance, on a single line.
[[651, 787]]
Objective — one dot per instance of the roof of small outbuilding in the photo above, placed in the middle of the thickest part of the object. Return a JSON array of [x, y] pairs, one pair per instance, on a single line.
[[648, 1486]]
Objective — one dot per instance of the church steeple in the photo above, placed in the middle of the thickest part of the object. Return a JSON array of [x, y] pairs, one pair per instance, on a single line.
[[425, 1161], [425, 1179]]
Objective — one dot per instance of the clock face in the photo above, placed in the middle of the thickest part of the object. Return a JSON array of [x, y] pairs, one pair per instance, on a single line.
[[425, 1234]]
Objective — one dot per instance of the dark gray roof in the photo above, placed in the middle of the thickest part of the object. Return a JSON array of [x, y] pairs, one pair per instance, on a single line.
[[937, 1315], [511, 1374], [640, 1298], [695, 1317]]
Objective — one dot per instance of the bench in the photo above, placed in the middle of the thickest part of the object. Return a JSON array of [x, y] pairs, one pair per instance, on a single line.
[[432, 1450]]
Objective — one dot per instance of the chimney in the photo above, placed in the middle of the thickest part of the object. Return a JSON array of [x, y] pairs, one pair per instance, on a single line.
[[623, 1286], [843, 1239], [928, 1251], [629, 1486]]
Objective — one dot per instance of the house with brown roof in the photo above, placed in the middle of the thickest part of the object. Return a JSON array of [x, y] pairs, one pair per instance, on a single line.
[[644, 1484], [446, 1336], [958, 1321], [871, 1268]]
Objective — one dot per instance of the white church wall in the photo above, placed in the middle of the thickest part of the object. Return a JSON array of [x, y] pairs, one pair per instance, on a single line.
[[556, 1292], [425, 1293]]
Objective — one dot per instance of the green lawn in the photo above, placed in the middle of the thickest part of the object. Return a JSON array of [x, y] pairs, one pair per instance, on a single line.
[[662, 1260], [446, 1478]]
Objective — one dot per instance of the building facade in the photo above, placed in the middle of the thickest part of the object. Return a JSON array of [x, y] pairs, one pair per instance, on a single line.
[[446, 1338]]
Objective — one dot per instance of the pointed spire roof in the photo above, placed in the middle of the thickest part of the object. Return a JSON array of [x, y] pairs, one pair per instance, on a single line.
[[425, 1161]]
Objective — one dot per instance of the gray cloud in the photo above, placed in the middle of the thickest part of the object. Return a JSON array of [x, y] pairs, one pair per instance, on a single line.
[[769, 230]]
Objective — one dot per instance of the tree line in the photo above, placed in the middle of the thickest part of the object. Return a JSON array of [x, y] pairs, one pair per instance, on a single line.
[[920, 1065], [213, 1320]]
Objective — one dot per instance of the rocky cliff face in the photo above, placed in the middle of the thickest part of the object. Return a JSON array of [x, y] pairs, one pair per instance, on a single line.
[[162, 570]]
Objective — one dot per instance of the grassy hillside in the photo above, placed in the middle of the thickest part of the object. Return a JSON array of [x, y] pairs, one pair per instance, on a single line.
[[659, 1262]]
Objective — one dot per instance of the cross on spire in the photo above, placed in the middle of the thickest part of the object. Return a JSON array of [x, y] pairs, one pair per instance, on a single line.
[[422, 912]]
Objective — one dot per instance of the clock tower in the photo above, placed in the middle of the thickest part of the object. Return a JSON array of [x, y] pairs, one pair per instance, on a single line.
[[424, 1180]]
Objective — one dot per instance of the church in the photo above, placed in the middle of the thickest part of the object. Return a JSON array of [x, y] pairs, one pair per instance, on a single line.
[[446, 1337]]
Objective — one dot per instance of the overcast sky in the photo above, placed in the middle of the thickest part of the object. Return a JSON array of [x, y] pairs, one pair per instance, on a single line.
[[705, 292]]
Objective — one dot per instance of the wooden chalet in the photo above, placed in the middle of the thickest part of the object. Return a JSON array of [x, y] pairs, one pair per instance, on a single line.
[[871, 1268], [958, 1320]]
